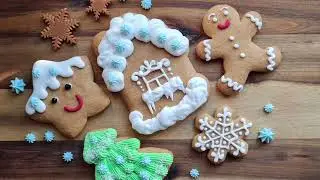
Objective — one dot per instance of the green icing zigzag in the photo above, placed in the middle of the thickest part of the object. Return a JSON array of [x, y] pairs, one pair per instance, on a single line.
[[122, 160]]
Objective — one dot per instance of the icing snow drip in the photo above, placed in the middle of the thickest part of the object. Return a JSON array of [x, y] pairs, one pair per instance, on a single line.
[[232, 84], [255, 20], [117, 44], [271, 58], [207, 49], [45, 76], [196, 94]]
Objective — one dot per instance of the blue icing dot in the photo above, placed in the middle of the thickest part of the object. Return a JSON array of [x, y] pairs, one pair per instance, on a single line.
[[162, 38], [120, 47], [125, 29], [34, 102], [176, 45], [53, 71], [118, 63], [143, 33], [146, 161], [120, 160], [113, 79], [35, 73], [102, 169], [144, 175]]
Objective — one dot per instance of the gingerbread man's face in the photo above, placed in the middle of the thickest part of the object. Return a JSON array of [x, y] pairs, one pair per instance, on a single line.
[[65, 96], [219, 20]]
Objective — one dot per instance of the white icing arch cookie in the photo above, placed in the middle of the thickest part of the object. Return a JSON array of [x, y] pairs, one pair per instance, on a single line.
[[153, 80]]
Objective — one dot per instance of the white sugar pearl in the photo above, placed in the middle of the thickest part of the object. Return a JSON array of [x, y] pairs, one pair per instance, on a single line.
[[226, 13], [236, 46], [224, 142], [169, 69], [217, 142], [231, 38], [242, 55], [139, 83], [227, 129], [215, 19]]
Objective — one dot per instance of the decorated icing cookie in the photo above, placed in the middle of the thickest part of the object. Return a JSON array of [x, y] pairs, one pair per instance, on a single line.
[[123, 159], [98, 7], [157, 80], [221, 135], [231, 39], [60, 27], [65, 95]]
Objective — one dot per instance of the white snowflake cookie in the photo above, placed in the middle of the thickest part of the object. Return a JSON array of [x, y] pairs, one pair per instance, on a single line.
[[221, 135]]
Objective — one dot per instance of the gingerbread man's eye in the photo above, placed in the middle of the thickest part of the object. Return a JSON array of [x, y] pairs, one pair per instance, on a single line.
[[226, 12], [213, 17], [54, 100], [67, 86]]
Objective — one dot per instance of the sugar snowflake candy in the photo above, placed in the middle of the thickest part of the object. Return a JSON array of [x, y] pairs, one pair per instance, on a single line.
[[124, 159], [221, 135]]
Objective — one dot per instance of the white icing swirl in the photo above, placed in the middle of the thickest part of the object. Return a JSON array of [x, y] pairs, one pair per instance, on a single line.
[[232, 84], [207, 49], [255, 20], [47, 73], [271, 58], [196, 95], [117, 44]]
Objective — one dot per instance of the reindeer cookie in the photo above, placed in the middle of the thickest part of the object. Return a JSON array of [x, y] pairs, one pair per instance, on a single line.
[[65, 95], [231, 39], [156, 79]]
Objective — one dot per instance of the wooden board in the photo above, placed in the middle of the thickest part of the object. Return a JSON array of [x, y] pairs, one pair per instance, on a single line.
[[294, 88]]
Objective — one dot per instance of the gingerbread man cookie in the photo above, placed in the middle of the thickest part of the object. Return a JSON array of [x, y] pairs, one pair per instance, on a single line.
[[221, 135], [65, 95], [231, 39], [157, 80]]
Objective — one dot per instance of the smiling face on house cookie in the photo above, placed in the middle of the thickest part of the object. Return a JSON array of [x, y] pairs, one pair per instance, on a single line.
[[65, 95]]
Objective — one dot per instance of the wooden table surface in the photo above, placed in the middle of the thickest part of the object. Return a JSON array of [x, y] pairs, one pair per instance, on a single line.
[[293, 25]]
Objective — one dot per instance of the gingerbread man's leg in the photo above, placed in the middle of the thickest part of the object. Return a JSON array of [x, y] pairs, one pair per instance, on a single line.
[[207, 50]]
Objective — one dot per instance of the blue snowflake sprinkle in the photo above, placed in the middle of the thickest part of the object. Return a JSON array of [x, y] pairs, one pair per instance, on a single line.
[[176, 45], [67, 156], [17, 85], [144, 175], [146, 4], [53, 71], [34, 102], [36, 73], [49, 136], [268, 108], [162, 38], [146, 161], [30, 138], [117, 63], [194, 173], [120, 160], [125, 29], [102, 169], [120, 47], [266, 135], [144, 33]]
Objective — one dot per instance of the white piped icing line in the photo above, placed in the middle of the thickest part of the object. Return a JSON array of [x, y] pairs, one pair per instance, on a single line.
[[232, 84], [271, 58], [196, 94], [45, 75], [207, 49], [117, 44], [255, 20]]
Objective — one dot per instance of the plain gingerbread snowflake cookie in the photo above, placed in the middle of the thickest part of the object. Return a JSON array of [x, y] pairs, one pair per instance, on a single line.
[[148, 62], [221, 134], [65, 95], [231, 40]]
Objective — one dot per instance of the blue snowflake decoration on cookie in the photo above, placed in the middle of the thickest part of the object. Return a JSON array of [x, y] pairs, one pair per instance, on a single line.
[[17, 85], [266, 135], [162, 37], [120, 47], [49, 136], [144, 33], [53, 71], [120, 160], [146, 161], [176, 45], [67, 156], [125, 29], [144, 175], [146, 4], [36, 73], [30, 138], [35, 102], [194, 173], [268, 108], [113, 79], [102, 169]]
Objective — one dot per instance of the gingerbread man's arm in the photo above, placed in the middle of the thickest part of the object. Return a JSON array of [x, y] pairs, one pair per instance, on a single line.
[[267, 59], [251, 23], [208, 50]]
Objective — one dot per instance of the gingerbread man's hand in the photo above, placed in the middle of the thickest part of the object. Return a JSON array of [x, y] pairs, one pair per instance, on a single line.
[[269, 61], [207, 50], [252, 22]]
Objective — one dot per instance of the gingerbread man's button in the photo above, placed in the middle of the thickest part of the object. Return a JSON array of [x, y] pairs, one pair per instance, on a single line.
[[231, 39]]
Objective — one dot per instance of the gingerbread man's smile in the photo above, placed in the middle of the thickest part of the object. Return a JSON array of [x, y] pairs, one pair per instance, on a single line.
[[224, 25], [75, 108]]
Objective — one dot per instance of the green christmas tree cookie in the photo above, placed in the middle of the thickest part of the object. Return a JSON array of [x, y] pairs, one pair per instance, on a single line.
[[124, 159]]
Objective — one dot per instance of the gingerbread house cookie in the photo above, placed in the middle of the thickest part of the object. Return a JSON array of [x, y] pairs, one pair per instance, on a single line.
[[231, 39], [65, 95], [148, 62]]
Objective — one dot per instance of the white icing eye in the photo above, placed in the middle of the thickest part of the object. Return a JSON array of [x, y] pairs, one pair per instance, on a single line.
[[213, 17], [226, 12]]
